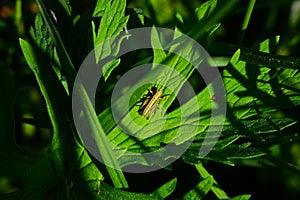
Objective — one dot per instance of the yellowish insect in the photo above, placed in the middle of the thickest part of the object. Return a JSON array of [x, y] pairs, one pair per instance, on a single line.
[[150, 102]]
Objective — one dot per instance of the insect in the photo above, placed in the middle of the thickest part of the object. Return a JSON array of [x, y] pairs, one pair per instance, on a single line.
[[150, 102]]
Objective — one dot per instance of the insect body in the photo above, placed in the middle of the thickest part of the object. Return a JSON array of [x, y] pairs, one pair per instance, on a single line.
[[150, 102]]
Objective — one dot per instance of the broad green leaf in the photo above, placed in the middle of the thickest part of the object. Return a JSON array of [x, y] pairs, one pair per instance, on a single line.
[[88, 111], [270, 95], [252, 93], [82, 177], [112, 23], [50, 87], [199, 191], [182, 53], [149, 139], [106, 39], [241, 108], [63, 139], [168, 133], [244, 103]]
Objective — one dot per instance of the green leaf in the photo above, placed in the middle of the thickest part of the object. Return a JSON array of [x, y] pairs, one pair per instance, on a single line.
[[241, 197], [112, 23], [205, 10], [213, 29], [63, 139], [226, 155], [66, 6], [200, 190], [244, 116], [165, 190], [112, 193], [109, 67], [268, 45], [49, 86], [179, 17], [253, 90], [208, 16], [116, 175], [221, 194], [148, 138], [100, 7], [43, 40], [159, 54], [55, 36]]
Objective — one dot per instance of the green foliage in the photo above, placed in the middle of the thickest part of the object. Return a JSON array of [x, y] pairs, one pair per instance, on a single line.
[[200, 190], [261, 91]]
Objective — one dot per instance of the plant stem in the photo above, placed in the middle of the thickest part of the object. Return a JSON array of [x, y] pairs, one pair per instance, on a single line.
[[18, 18], [216, 189], [245, 24], [256, 57]]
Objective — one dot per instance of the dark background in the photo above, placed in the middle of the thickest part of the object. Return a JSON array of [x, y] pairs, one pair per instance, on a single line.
[[270, 17]]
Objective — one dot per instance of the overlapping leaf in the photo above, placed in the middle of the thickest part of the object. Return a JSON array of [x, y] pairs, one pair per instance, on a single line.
[[71, 172]]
